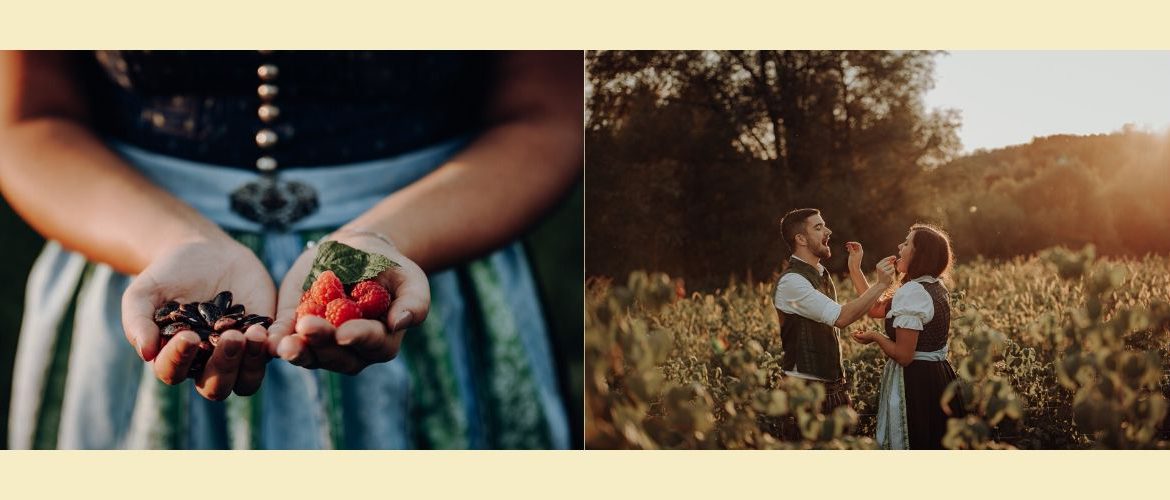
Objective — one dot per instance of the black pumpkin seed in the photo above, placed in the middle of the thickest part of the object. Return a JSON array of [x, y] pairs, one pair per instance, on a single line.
[[208, 320], [173, 316], [173, 329], [195, 320], [225, 323], [223, 300], [164, 312], [210, 312], [202, 354], [190, 308], [203, 332], [253, 319]]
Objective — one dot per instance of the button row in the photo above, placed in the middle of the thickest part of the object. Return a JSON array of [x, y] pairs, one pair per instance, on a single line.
[[268, 113], [267, 92], [266, 138]]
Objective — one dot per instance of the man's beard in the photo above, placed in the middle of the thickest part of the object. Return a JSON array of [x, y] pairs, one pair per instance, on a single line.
[[823, 252]]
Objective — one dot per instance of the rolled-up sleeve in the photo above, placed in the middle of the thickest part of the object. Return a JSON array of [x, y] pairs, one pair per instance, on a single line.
[[795, 295], [911, 307]]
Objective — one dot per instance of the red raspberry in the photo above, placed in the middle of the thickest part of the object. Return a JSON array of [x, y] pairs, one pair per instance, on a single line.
[[327, 288], [310, 308], [341, 310], [372, 298]]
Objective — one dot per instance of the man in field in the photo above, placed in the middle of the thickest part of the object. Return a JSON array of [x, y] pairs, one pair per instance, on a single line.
[[806, 301]]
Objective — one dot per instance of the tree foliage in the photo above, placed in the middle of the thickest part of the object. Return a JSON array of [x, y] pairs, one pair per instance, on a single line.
[[694, 156]]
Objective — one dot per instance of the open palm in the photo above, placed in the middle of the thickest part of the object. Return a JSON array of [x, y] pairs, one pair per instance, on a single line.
[[313, 342], [197, 272]]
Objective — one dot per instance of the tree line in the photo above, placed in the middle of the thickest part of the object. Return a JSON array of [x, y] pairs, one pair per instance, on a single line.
[[693, 157]]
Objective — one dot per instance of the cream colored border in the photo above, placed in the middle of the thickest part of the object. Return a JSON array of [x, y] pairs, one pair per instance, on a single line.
[[1046, 24], [673, 24], [583, 474]]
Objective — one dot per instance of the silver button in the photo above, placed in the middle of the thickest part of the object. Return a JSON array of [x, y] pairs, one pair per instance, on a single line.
[[268, 113], [266, 138], [266, 163], [268, 72], [267, 91]]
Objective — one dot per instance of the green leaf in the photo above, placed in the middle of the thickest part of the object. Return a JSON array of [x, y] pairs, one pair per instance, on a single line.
[[348, 263]]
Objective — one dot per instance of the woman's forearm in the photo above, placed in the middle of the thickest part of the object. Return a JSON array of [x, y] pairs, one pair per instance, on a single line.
[[69, 187], [902, 351], [860, 284], [503, 182], [888, 347]]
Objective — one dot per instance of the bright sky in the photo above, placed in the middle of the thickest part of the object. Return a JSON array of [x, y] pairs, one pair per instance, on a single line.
[[1009, 97]]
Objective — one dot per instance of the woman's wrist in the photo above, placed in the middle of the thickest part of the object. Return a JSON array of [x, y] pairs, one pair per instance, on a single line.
[[196, 233], [346, 232]]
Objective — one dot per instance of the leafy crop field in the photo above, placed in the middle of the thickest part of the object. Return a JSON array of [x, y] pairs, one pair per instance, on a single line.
[[1055, 351]]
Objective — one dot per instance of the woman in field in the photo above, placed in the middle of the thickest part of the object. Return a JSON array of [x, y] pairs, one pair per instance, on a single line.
[[917, 328]]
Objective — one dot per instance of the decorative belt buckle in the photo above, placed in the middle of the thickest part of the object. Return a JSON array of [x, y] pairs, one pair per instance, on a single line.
[[273, 203]]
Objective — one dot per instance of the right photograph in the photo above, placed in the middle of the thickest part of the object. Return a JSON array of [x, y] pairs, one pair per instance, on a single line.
[[877, 250]]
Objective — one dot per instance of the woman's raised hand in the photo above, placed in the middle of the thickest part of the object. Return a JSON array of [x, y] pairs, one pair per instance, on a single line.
[[856, 252], [885, 270]]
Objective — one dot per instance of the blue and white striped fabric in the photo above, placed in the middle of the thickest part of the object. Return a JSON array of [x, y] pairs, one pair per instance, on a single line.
[[892, 430]]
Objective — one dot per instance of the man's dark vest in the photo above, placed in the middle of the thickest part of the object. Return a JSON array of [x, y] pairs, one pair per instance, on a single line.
[[811, 347]]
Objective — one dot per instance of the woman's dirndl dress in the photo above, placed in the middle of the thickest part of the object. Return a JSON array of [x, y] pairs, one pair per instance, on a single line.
[[910, 414]]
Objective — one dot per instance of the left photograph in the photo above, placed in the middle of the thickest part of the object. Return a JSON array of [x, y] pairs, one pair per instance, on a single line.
[[291, 250]]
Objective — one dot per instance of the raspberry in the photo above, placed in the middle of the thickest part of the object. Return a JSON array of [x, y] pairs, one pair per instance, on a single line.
[[341, 310], [327, 288], [372, 298], [310, 308]]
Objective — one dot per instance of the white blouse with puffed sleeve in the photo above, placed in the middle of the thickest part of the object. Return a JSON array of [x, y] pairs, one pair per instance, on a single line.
[[912, 307]]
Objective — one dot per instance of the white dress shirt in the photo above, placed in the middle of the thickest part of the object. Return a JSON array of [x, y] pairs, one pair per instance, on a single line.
[[796, 295]]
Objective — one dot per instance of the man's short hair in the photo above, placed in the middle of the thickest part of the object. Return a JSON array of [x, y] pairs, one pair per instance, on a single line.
[[794, 223]]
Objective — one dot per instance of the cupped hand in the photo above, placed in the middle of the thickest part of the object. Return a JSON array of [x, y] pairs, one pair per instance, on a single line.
[[197, 271], [313, 342], [863, 336]]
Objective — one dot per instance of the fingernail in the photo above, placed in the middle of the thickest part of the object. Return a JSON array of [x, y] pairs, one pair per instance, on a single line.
[[254, 348], [285, 353], [402, 320]]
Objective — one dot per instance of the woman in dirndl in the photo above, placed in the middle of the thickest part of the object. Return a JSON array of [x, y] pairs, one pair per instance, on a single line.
[[169, 175], [911, 413]]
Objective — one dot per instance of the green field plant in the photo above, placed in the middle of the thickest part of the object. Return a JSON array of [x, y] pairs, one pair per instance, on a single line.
[[1059, 350]]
